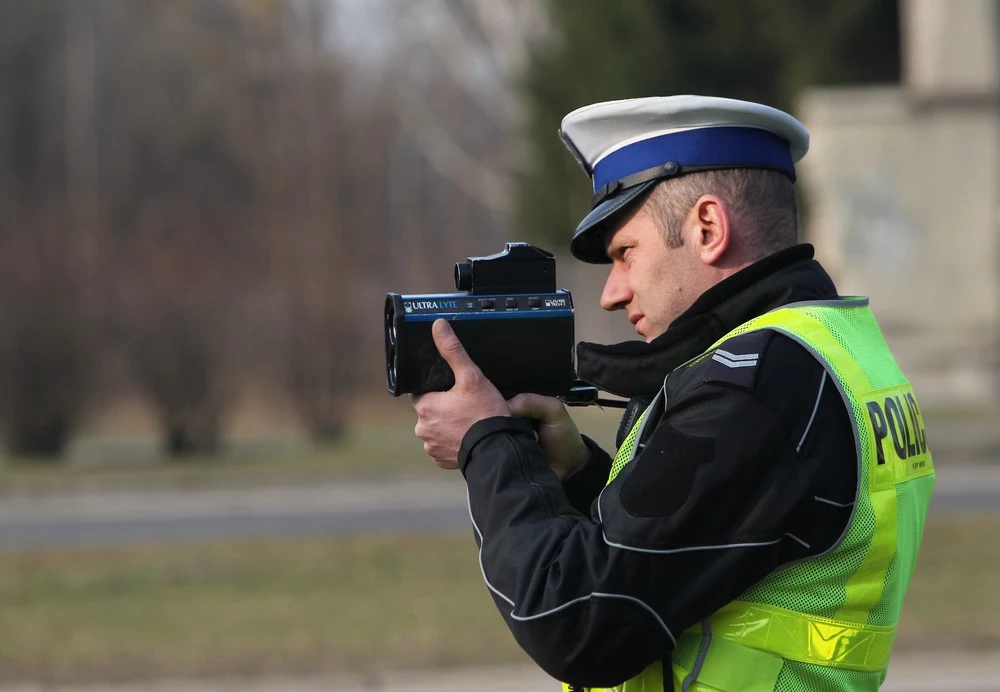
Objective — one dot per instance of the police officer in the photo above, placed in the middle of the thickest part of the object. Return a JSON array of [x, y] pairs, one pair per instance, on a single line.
[[759, 524]]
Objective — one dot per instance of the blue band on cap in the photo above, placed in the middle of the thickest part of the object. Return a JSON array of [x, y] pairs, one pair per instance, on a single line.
[[738, 147]]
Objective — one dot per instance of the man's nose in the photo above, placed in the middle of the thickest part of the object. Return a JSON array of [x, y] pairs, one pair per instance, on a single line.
[[617, 293]]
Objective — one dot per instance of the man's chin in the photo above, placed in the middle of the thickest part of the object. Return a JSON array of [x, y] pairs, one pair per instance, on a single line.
[[649, 335], [645, 331]]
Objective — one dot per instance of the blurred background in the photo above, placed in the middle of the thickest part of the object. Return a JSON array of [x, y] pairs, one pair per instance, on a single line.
[[204, 202]]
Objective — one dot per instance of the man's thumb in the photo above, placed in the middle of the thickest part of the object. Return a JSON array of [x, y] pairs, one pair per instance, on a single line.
[[450, 348]]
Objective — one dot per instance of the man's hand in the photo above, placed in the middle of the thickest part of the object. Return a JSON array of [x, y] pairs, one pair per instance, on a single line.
[[557, 433], [443, 418]]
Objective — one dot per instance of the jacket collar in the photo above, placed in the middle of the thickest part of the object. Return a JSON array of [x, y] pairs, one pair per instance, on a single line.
[[637, 369]]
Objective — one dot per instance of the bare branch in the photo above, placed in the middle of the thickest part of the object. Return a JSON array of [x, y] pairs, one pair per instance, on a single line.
[[450, 160]]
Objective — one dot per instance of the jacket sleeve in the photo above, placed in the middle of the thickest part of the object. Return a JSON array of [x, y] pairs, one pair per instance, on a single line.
[[583, 486], [702, 513]]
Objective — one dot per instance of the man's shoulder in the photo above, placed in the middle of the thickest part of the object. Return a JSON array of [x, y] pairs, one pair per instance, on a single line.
[[766, 363], [736, 361]]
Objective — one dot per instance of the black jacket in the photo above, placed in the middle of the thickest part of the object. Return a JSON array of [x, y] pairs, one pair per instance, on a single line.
[[746, 469]]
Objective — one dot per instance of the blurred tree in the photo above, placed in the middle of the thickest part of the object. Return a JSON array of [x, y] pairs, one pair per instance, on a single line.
[[48, 346], [49, 322], [180, 185], [762, 50], [462, 58], [321, 178]]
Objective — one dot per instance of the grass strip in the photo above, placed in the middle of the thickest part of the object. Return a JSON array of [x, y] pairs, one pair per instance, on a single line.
[[359, 604], [356, 604]]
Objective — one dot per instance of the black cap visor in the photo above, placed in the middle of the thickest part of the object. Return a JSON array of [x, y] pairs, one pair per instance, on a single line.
[[588, 239]]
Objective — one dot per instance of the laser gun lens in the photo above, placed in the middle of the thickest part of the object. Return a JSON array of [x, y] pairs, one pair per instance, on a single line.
[[463, 276], [391, 371], [390, 326]]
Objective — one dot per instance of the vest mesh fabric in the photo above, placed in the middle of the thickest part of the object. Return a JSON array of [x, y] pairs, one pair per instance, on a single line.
[[799, 677], [624, 453], [818, 586], [686, 652]]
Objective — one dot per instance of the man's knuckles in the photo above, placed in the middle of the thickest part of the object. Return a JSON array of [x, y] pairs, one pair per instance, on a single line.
[[471, 378], [519, 401], [428, 404], [451, 346]]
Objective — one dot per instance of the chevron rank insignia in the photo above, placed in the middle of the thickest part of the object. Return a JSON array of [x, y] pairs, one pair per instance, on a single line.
[[735, 361]]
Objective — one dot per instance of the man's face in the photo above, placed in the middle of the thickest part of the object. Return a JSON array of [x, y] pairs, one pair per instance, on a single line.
[[653, 283]]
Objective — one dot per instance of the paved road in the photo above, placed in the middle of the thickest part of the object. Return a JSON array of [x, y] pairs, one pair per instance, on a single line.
[[924, 672], [437, 503], [126, 517]]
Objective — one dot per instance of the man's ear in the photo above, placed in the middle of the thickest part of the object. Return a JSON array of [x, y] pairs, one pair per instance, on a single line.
[[711, 215]]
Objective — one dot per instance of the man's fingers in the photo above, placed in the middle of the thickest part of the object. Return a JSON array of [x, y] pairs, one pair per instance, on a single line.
[[451, 349], [535, 406]]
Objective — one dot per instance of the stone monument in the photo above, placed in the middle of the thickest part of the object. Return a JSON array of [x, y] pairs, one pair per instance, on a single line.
[[902, 192]]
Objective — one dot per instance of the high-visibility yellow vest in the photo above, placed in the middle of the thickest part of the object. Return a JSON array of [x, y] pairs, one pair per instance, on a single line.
[[826, 622]]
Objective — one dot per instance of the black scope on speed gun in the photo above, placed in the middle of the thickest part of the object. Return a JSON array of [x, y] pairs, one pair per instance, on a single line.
[[513, 322]]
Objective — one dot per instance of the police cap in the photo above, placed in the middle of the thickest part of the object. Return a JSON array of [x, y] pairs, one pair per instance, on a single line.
[[627, 146]]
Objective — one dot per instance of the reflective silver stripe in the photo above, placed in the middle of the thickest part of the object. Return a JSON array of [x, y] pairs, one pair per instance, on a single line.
[[798, 540], [689, 549], [831, 502], [647, 414], [706, 640], [667, 551], [734, 363], [732, 356], [579, 599], [598, 594], [482, 570], [822, 381], [845, 302]]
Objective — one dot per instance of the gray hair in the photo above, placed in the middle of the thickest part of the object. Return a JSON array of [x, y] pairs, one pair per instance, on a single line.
[[762, 203]]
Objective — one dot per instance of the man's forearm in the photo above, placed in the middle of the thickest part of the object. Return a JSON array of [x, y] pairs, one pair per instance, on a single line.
[[546, 564]]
